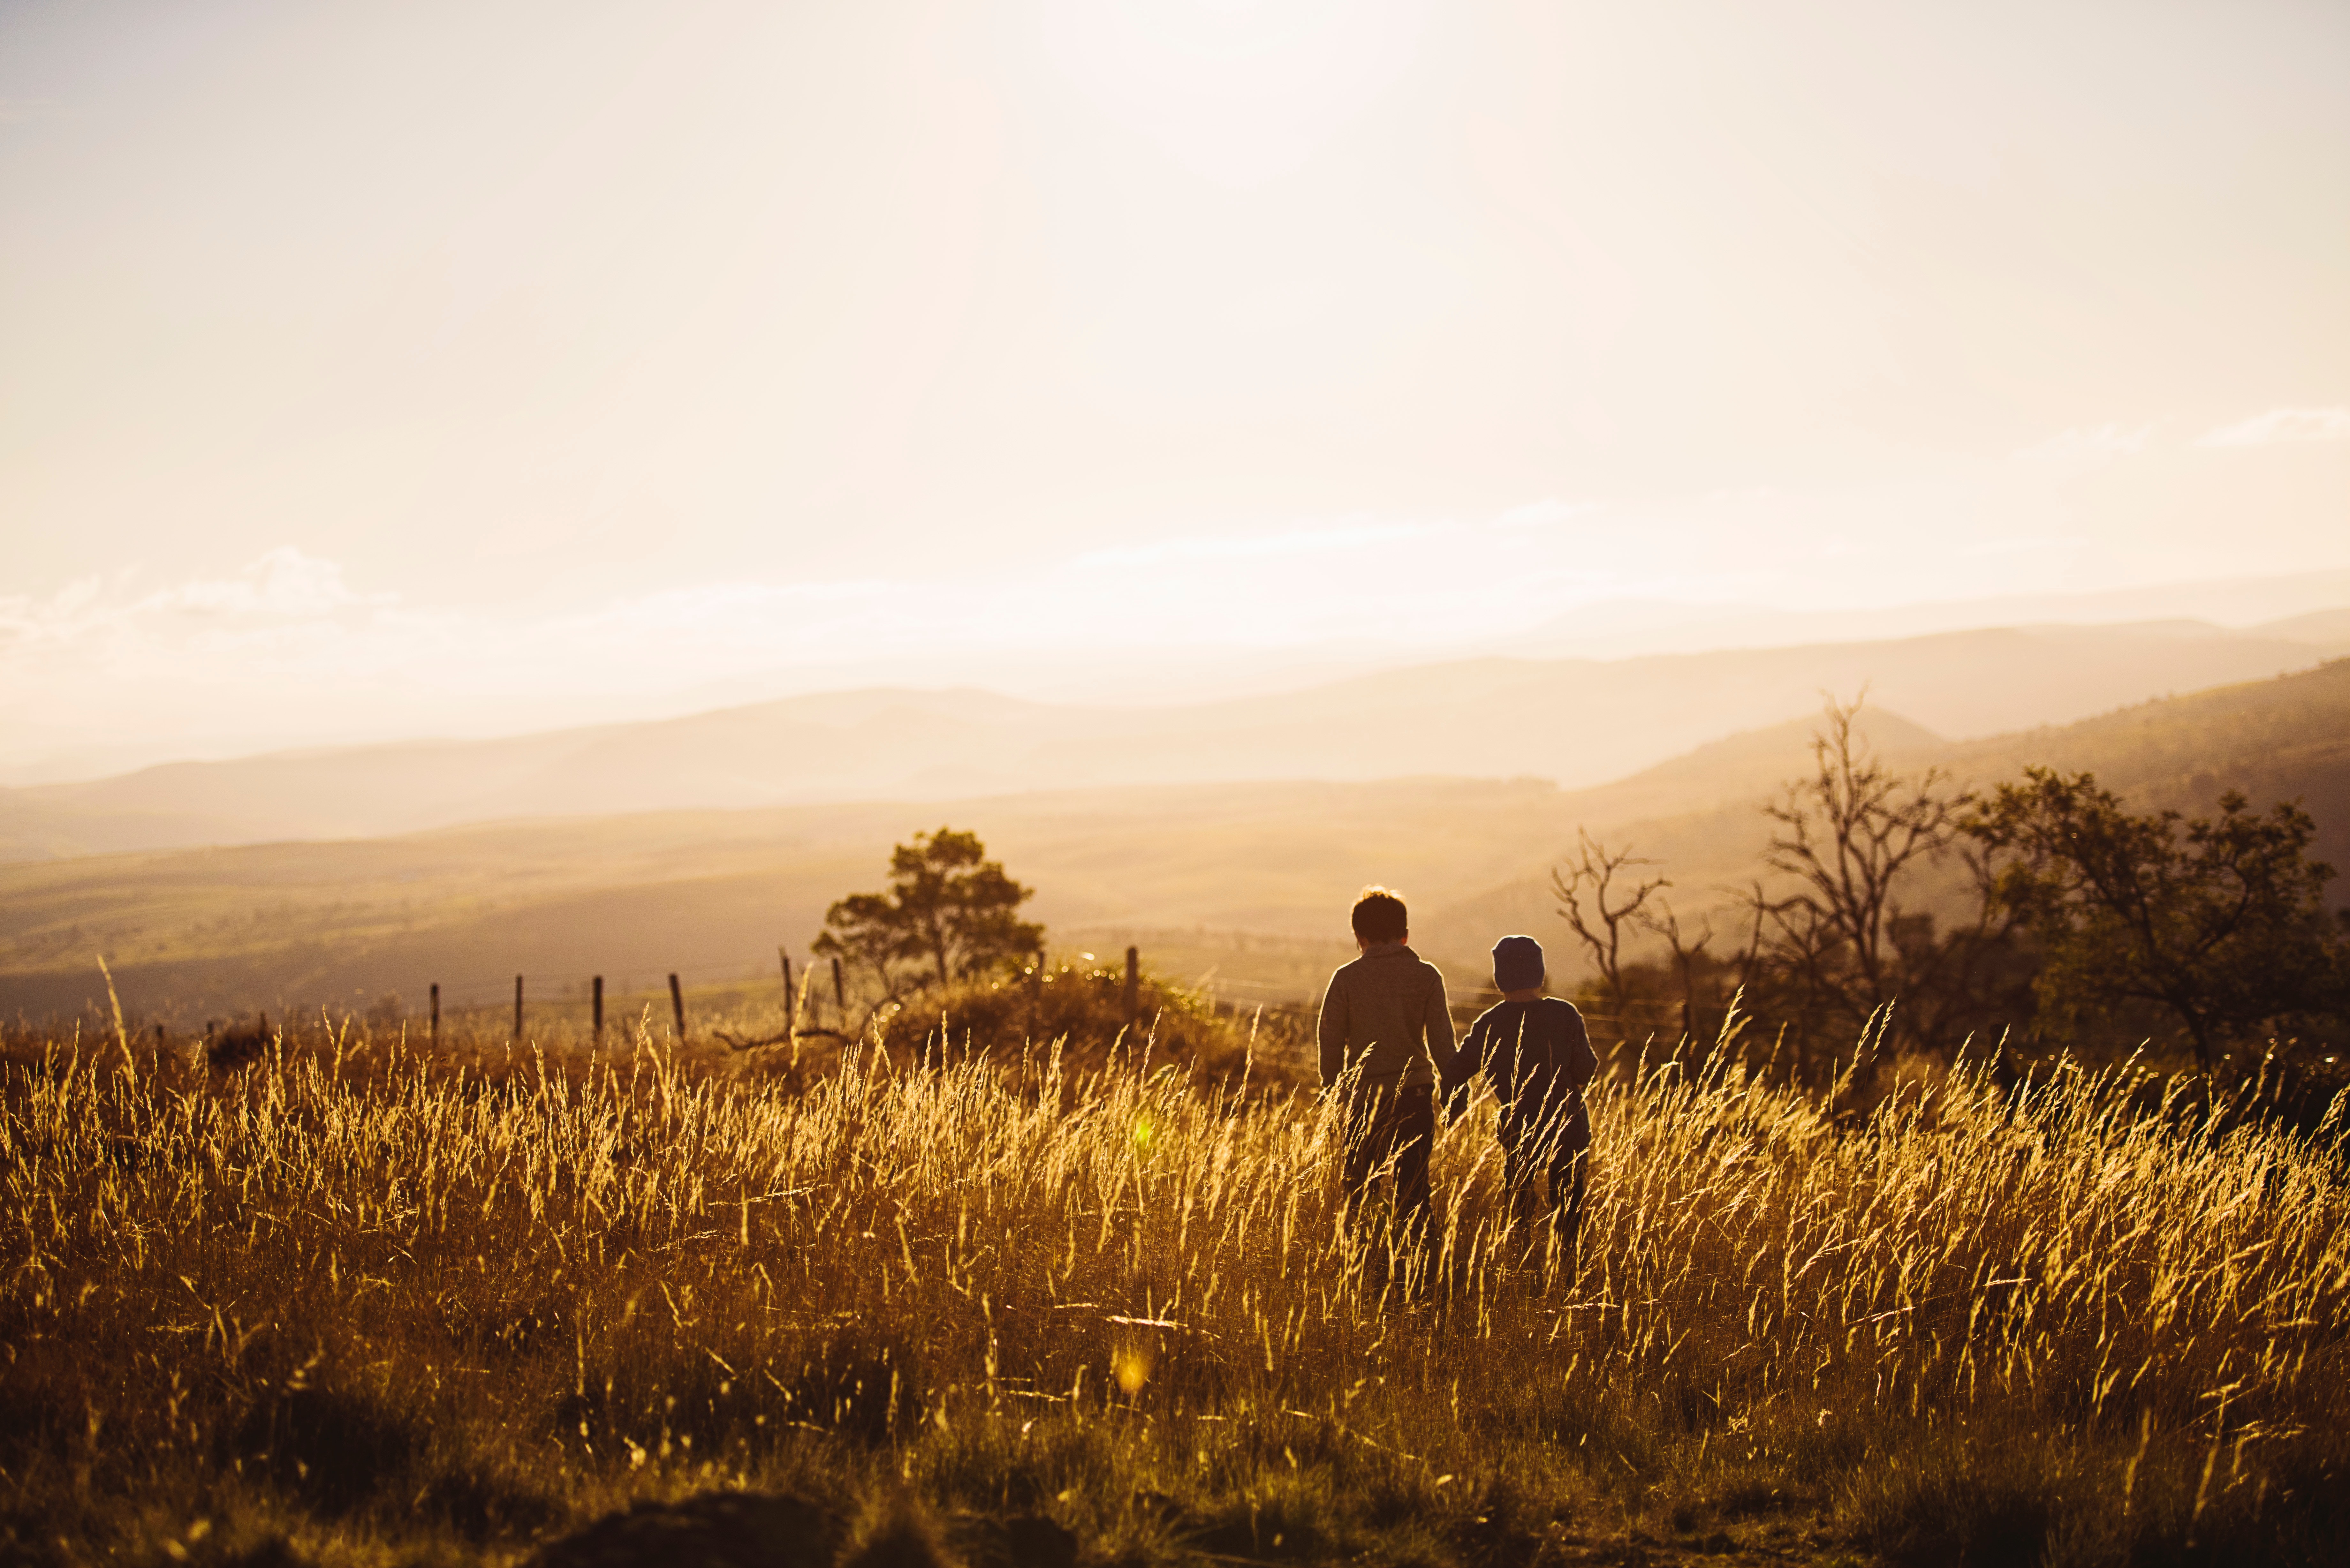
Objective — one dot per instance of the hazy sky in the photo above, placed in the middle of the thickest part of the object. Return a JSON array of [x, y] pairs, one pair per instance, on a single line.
[[418, 365]]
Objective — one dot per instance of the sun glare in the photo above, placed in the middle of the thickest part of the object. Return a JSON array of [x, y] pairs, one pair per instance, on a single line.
[[1239, 91]]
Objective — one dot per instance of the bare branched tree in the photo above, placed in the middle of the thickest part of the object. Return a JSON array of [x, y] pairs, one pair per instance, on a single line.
[[1842, 932], [1753, 957], [1848, 835], [1666, 922], [1597, 909]]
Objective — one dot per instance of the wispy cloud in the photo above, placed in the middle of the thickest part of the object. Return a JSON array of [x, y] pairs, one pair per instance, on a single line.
[[283, 588], [2281, 425]]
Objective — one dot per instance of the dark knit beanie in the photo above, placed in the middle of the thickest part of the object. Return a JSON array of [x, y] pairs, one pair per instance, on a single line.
[[1517, 964]]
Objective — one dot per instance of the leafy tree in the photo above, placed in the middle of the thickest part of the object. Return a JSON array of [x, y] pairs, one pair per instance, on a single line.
[[948, 908], [2222, 925]]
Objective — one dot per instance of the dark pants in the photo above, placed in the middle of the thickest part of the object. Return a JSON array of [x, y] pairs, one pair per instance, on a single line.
[[1398, 1124], [1528, 1161]]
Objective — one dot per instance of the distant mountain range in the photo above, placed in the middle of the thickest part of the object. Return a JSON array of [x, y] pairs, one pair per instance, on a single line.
[[1253, 878], [1574, 722], [2293, 608]]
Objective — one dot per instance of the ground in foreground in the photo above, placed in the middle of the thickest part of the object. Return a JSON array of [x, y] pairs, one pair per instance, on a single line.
[[357, 1306]]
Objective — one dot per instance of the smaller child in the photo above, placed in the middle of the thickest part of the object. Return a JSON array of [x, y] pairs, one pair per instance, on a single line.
[[1535, 1051]]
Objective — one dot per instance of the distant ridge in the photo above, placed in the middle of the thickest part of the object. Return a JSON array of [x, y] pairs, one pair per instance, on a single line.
[[1575, 721], [2296, 606], [2281, 739], [1250, 877]]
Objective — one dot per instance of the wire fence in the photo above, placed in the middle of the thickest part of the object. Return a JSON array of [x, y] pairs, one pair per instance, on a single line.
[[634, 990], [480, 994]]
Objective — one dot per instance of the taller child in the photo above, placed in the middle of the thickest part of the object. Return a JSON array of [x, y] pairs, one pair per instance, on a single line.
[[1386, 1037]]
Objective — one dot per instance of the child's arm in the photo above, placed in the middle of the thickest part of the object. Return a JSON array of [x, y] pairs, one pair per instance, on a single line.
[[1581, 1063], [1466, 1061], [1330, 1030], [1437, 1027]]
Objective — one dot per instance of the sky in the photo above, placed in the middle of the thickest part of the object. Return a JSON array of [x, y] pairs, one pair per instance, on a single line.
[[485, 365]]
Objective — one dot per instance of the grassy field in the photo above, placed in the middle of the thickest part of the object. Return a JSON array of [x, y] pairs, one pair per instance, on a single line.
[[357, 1303]]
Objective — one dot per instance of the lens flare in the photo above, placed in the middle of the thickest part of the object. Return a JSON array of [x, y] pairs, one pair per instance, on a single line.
[[1131, 1365]]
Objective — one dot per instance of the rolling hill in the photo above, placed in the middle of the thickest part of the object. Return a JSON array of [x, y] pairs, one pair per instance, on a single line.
[[1253, 878], [1575, 722], [2283, 739]]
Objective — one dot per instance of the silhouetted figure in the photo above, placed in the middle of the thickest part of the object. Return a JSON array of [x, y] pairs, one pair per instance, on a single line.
[[1386, 1039], [1535, 1051]]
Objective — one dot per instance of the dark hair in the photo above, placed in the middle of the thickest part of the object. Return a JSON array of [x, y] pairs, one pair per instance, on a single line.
[[1380, 916]]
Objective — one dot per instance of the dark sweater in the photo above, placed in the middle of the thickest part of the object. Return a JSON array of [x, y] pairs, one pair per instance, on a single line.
[[1537, 1055], [1384, 1017]]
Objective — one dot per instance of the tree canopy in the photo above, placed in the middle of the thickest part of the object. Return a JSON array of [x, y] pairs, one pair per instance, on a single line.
[[948, 909], [2221, 923]]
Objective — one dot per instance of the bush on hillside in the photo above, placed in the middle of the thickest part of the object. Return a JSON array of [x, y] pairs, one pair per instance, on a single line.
[[1082, 1009]]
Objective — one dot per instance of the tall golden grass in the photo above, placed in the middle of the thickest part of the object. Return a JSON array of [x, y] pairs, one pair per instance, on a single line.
[[368, 1303]]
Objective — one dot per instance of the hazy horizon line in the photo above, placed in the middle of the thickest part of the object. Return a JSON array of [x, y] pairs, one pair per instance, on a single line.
[[1171, 676]]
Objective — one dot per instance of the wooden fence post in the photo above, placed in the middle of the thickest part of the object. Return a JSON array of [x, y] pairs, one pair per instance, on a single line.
[[840, 993], [791, 1012], [677, 1006], [517, 1034], [599, 989], [1133, 985], [436, 1012]]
